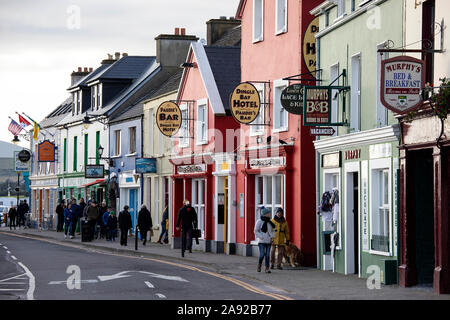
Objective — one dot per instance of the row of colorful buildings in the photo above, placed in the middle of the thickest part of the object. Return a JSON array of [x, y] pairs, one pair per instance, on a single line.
[[388, 172]]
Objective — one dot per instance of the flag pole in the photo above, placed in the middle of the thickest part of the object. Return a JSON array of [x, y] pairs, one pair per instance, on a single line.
[[30, 119]]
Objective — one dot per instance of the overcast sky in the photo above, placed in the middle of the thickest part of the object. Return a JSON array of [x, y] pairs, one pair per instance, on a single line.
[[42, 42]]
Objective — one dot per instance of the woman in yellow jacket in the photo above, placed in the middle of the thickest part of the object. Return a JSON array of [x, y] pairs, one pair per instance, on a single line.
[[282, 237]]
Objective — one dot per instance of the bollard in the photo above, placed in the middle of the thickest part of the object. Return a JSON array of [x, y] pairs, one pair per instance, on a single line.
[[136, 238]]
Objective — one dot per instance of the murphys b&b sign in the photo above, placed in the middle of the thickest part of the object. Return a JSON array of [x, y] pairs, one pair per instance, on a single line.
[[402, 80], [245, 103], [317, 106]]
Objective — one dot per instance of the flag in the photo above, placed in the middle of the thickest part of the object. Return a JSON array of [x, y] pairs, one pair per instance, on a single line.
[[23, 122], [35, 131], [14, 127]]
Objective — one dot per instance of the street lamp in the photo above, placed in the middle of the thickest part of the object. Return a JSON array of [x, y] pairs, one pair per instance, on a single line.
[[100, 151], [86, 121], [16, 140]]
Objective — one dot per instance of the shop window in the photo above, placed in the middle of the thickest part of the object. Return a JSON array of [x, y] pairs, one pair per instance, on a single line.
[[380, 219], [258, 20], [269, 193], [281, 16], [281, 116], [198, 202]]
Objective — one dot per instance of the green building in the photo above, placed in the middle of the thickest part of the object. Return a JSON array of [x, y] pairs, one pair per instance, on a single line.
[[360, 162]]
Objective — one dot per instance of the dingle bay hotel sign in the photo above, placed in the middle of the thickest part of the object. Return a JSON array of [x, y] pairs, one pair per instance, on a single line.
[[168, 118], [245, 103]]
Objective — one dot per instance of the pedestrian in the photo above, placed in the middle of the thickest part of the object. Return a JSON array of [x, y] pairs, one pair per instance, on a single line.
[[112, 226], [264, 233], [86, 207], [102, 211], [105, 221], [165, 227], [145, 223], [60, 213], [12, 214], [20, 214], [188, 219], [83, 206], [76, 215], [125, 225], [92, 214], [67, 219], [282, 237]]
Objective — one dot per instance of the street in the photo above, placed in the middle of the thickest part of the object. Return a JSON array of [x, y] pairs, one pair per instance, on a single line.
[[68, 273]]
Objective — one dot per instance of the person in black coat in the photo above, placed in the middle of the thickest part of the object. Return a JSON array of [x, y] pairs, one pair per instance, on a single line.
[[145, 223], [125, 224], [188, 219], [12, 217], [60, 213], [20, 215]]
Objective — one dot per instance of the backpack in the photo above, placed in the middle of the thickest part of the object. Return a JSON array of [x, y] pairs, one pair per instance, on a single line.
[[325, 204]]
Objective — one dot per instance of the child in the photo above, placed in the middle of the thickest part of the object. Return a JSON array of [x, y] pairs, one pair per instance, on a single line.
[[112, 226]]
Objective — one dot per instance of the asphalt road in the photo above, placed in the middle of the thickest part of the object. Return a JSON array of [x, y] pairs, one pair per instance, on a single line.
[[39, 270]]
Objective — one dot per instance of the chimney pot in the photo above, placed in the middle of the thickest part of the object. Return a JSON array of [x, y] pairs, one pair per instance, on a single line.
[[124, 54], [85, 69], [79, 69], [90, 69], [177, 31], [117, 54], [183, 31], [223, 18]]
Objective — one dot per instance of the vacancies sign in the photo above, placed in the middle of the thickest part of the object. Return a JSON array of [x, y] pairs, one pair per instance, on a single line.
[[402, 80], [168, 118], [245, 103]]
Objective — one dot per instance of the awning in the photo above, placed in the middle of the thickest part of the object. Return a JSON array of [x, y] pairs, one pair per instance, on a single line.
[[93, 183]]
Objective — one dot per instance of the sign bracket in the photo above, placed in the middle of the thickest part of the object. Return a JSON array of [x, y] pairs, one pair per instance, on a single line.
[[293, 78]]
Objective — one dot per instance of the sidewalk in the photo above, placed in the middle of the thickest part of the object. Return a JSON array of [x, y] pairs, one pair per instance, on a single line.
[[298, 283]]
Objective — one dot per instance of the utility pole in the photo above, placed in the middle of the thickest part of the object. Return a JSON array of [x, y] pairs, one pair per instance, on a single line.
[[18, 188]]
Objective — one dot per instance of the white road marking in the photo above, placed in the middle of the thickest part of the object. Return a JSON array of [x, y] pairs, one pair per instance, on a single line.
[[15, 277], [151, 286], [12, 289], [32, 282], [160, 295], [8, 252], [75, 282], [13, 283], [160, 276], [114, 276], [14, 258], [6, 248]]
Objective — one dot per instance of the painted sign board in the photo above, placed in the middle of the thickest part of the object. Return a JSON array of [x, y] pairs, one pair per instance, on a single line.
[[46, 151], [195, 168], [402, 80], [168, 118], [245, 103], [309, 45], [331, 160], [146, 165], [20, 166], [322, 131], [292, 99], [365, 205], [94, 171], [317, 106]]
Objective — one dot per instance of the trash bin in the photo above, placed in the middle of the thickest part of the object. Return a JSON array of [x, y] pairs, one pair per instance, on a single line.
[[86, 232]]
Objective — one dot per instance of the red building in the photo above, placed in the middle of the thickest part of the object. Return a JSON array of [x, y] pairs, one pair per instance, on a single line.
[[204, 173], [276, 156]]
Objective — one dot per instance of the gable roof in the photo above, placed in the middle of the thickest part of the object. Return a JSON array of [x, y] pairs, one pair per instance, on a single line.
[[135, 111]]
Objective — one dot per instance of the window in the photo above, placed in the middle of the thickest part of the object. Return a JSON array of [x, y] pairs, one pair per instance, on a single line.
[[117, 137], [380, 227], [269, 193], [132, 135], [258, 20], [184, 130], [151, 131], [355, 107], [255, 129], [86, 149], [327, 18], [334, 74], [75, 155], [78, 102], [202, 122], [99, 95], [65, 155], [382, 112], [97, 145], [198, 202], [341, 8], [93, 97], [281, 16], [280, 115], [353, 4]]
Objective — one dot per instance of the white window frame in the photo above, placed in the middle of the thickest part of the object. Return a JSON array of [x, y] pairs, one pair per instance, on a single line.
[[258, 130], [79, 101], [99, 95], [281, 14], [278, 110], [340, 9], [202, 127], [355, 102], [184, 134], [197, 205], [273, 205], [258, 21], [130, 129], [93, 97], [117, 143], [376, 166]]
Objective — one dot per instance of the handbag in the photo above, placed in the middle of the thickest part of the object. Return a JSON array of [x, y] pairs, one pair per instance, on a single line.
[[196, 233]]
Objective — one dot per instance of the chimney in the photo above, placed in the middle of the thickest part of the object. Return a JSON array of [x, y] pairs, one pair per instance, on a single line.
[[108, 60], [117, 55], [216, 28], [172, 49], [124, 54], [76, 76]]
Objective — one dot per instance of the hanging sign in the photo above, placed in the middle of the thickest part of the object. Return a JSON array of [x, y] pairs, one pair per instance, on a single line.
[[94, 171], [145, 165], [19, 165], [292, 99], [46, 151], [402, 80], [309, 45], [168, 118], [317, 106], [245, 103]]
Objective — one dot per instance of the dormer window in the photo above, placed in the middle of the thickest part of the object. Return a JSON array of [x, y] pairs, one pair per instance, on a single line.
[[96, 93], [99, 95], [76, 102]]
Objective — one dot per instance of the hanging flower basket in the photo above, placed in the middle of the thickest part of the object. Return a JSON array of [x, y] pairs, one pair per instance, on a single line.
[[441, 100]]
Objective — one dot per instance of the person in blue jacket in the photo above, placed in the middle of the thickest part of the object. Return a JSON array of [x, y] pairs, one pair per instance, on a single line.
[[105, 221], [76, 215], [112, 226], [67, 218]]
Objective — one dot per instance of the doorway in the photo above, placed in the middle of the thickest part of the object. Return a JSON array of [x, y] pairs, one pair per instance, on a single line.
[[352, 219]]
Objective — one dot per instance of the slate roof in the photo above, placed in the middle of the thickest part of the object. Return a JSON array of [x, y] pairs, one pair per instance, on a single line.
[[58, 114], [225, 64], [172, 84], [129, 67], [131, 113], [231, 38], [90, 76]]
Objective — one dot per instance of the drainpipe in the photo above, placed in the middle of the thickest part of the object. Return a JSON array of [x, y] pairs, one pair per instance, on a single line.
[[142, 156]]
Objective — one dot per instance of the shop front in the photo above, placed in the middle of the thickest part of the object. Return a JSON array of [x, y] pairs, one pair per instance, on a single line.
[[357, 207], [130, 193], [44, 198]]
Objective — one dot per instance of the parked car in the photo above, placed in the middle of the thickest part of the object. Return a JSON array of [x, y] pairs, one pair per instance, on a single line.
[[3, 212]]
